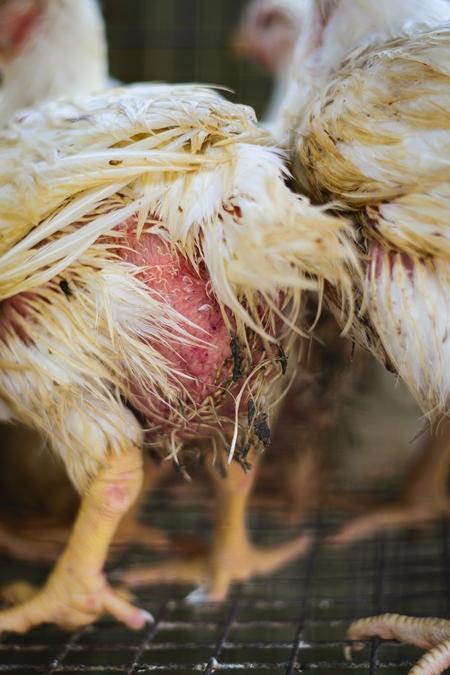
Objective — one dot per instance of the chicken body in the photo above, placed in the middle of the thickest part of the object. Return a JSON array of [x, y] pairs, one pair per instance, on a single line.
[[377, 138], [332, 30], [267, 34], [146, 236]]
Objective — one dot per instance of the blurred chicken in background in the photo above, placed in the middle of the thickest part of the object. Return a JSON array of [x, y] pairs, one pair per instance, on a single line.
[[50, 49], [267, 35]]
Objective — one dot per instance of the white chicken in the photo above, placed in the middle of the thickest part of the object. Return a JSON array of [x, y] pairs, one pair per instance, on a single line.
[[148, 248], [377, 137], [267, 34], [49, 49]]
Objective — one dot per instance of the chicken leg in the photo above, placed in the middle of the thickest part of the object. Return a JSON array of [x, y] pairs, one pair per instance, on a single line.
[[423, 500], [77, 592], [232, 558], [38, 503]]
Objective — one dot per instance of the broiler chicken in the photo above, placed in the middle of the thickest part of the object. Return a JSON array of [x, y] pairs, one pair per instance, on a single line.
[[267, 35], [152, 259], [377, 138], [50, 49]]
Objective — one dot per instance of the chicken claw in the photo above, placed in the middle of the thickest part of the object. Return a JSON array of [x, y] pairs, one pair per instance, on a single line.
[[71, 606], [220, 567], [428, 633], [232, 557], [424, 498]]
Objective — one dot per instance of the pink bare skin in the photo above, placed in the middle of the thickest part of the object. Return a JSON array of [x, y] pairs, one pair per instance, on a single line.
[[185, 291]]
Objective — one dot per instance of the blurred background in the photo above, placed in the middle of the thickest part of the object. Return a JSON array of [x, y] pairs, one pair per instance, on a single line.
[[181, 41]]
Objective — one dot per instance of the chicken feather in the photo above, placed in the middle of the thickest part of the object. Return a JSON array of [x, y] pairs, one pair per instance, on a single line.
[[378, 140], [179, 315]]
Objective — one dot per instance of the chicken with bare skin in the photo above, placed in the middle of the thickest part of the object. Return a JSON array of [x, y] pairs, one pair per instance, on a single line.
[[50, 49], [150, 253], [375, 135]]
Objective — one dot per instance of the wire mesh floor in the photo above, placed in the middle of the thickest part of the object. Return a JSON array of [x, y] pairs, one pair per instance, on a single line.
[[294, 620]]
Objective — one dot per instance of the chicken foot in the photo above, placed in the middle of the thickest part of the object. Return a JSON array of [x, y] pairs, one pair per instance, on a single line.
[[424, 498], [428, 633], [231, 558], [77, 591]]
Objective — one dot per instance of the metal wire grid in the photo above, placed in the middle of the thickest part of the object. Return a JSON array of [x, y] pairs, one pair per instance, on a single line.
[[294, 621], [181, 41]]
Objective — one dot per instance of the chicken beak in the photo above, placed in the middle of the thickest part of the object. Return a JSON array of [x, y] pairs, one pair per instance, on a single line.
[[239, 46]]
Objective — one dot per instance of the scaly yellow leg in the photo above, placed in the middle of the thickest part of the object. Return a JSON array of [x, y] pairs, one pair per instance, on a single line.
[[423, 500], [428, 633], [77, 591], [232, 558]]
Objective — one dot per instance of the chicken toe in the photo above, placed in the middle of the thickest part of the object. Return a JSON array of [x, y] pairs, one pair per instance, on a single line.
[[424, 498], [70, 606], [216, 570], [428, 633], [231, 558], [18, 592]]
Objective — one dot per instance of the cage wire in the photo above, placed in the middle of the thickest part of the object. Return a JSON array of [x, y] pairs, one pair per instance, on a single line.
[[181, 41], [296, 619]]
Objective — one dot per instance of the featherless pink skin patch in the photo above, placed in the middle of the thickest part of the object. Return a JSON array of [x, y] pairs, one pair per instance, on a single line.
[[172, 279], [17, 20], [205, 368]]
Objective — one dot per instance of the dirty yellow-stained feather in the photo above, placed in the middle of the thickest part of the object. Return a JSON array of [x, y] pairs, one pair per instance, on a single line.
[[192, 168], [377, 139]]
